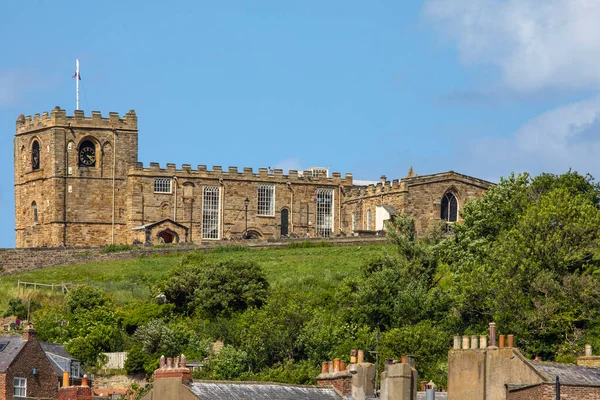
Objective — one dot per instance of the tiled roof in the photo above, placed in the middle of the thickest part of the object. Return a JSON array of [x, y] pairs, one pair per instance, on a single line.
[[262, 391], [14, 344], [568, 374]]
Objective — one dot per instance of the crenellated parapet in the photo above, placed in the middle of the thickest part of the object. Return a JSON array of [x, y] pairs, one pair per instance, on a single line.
[[59, 118], [235, 173], [384, 187]]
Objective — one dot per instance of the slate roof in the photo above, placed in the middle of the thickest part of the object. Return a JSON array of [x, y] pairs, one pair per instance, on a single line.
[[568, 374], [58, 356], [260, 391], [14, 344]]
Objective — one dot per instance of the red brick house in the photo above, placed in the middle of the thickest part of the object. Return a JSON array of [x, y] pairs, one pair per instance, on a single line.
[[25, 370]]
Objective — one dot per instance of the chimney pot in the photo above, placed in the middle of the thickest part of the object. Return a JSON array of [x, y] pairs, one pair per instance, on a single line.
[[465, 342], [511, 341], [588, 350], [423, 386], [324, 367], [183, 361], [84, 381], [482, 341], [342, 365], [65, 378], [456, 343], [474, 342], [361, 356], [353, 354], [162, 362], [176, 362], [404, 360], [492, 334], [330, 367], [169, 362], [501, 341], [336, 365]]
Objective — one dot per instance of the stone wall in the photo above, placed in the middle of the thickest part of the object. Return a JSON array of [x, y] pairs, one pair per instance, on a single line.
[[18, 260]]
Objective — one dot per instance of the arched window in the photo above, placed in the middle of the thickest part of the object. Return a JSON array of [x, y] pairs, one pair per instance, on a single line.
[[35, 212], [35, 155], [87, 154], [449, 209]]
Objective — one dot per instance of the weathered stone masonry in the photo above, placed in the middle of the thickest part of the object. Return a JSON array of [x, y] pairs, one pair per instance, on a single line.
[[78, 182]]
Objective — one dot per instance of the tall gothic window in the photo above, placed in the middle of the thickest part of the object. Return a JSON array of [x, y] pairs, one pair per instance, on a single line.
[[449, 209], [369, 220], [35, 155]]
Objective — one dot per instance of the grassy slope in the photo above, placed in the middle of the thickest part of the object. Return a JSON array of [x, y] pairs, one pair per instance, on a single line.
[[317, 270]]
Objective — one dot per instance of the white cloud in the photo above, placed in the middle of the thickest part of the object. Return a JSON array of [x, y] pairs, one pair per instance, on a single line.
[[289, 164], [559, 139], [535, 44]]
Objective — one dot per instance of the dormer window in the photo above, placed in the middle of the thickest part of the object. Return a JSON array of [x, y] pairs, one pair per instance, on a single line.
[[35, 155]]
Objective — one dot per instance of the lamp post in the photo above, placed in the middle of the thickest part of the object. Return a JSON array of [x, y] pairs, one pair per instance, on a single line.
[[246, 203]]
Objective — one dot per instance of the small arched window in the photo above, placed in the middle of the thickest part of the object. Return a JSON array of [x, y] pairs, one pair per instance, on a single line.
[[449, 209], [87, 154], [35, 155], [35, 212]]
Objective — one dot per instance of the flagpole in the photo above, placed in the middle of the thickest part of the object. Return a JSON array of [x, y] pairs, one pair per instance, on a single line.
[[77, 82]]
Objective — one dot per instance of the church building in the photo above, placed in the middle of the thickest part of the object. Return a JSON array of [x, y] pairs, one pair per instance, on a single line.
[[78, 182]]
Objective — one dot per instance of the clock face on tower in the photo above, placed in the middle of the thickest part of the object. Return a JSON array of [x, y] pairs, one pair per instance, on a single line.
[[87, 154]]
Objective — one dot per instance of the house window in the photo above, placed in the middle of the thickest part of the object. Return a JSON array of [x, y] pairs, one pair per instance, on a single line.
[[20, 387], [210, 212], [75, 369], [266, 200], [3, 345], [35, 212], [162, 185], [324, 212], [35, 155], [369, 220]]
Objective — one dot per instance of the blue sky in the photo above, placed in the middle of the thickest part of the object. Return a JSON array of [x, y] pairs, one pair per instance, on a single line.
[[482, 87]]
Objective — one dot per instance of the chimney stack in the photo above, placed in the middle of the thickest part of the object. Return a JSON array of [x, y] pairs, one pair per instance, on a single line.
[[174, 369], [588, 350], [29, 333]]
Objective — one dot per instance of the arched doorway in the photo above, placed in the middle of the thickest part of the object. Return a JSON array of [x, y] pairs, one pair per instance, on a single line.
[[284, 222], [166, 236]]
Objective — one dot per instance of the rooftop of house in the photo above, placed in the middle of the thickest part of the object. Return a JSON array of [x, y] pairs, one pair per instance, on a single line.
[[568, 374], [260, 390], [11, 346]]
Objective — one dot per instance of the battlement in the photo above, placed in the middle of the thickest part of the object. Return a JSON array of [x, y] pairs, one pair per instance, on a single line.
[[383, 187], [247, 173], [401, 185], [58, 117]]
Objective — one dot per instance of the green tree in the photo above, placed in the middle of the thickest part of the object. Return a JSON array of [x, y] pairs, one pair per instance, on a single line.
[[218, 288]]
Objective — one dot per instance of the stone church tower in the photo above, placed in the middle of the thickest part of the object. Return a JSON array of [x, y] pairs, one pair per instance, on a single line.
[[71, 178]]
